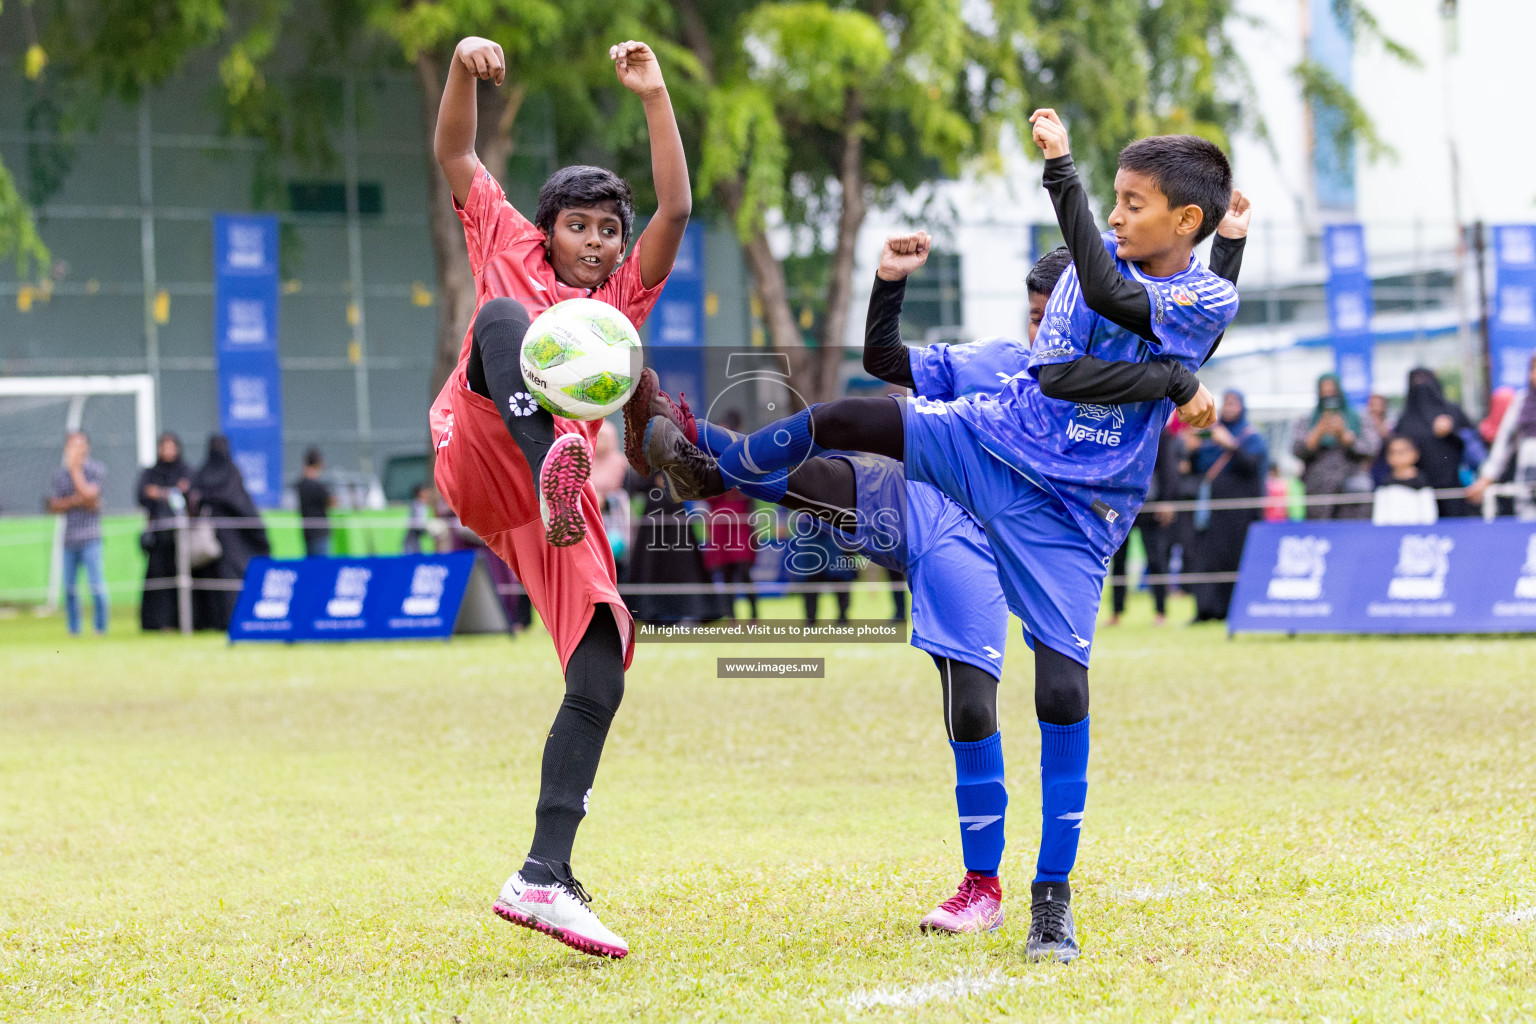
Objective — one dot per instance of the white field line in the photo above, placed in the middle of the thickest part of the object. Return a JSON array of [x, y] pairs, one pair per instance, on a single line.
[[958, 987], [1386, 935]]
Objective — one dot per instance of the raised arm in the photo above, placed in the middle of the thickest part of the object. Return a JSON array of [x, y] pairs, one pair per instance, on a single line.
[[1107, 292], [885, 355], [454, 141], [638, 71]]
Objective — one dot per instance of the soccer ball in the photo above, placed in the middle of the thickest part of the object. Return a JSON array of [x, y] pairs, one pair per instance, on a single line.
[[581, 359]]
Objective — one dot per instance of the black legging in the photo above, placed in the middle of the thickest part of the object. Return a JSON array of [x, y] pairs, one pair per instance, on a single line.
[[594, 687], [871, 425], [495, 372], [970, 694]]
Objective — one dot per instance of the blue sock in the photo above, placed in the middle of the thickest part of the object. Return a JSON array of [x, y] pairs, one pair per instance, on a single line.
[[1063, 792], [982, 799], [715, 439], [757, 458]]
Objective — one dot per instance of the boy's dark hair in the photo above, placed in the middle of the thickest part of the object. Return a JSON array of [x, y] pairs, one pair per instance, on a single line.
[[1048, 270], [312, 458], [1404, 437], [1188, 169], [579, 186]]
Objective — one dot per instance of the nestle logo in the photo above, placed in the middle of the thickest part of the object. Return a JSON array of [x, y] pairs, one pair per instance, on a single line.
[[1082, 432]]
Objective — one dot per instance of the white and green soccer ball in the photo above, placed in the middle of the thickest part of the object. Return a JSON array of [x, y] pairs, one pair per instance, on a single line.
[[581, 359]]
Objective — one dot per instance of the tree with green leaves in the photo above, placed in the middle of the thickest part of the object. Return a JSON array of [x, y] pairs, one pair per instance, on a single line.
[[19, 240]]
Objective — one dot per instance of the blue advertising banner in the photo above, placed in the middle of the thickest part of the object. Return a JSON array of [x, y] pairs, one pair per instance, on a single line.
[[1456, 576], [245, 288], [1512, 327], [403, 597], [675, 343], [1349, 309]]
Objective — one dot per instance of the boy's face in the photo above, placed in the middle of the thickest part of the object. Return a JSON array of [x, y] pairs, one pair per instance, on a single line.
[[1401, 454], [1145, 225], [585, 245], [1037, 303]]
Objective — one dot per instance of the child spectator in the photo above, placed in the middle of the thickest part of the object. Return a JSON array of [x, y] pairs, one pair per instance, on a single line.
[[1407, 499]]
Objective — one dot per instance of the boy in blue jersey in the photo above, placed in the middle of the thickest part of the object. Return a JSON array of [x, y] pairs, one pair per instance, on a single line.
[[1056, 464]]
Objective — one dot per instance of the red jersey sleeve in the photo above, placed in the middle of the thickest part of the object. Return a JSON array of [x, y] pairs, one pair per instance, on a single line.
[[491, 223], [625, 291]]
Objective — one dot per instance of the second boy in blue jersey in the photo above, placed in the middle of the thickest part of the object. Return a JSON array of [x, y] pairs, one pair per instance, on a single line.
[[1057, 464]]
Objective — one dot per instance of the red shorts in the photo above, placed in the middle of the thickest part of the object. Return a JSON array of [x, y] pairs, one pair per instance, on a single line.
[[483, 476]]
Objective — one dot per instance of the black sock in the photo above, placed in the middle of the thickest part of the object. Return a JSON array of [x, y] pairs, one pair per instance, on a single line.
[[594, 682], [495, 371]]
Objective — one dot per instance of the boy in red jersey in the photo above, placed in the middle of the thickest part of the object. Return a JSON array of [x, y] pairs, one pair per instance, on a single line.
[[493, 441]]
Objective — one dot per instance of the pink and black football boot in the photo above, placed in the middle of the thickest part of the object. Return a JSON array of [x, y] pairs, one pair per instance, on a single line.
[[976, 907], [565, 473]]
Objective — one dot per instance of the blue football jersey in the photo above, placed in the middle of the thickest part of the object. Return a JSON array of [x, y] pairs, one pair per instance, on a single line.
[[944, 372], [1098, 458]]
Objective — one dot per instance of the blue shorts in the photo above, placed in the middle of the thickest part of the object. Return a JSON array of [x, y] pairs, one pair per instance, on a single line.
[[1052, 574], [958, 609]]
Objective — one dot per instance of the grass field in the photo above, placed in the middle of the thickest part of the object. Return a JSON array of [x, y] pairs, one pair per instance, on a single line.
[[1318, 829]]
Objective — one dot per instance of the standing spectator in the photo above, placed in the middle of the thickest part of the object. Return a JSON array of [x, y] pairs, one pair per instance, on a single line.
[[1435, 425], [315, 503], [218, 491], [667, 552], [728, 553], [1515, 440], [1333, 444], [169, 478], [77, 496], [609, 471], [1157, 530], [1406, 499], [1229, 463], [417, 519], [1376, 413]]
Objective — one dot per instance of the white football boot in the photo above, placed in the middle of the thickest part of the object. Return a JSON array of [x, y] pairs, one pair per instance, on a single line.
[[559, 910]]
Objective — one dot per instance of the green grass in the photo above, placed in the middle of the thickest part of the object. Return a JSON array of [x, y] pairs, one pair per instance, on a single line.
[[1328, 829]]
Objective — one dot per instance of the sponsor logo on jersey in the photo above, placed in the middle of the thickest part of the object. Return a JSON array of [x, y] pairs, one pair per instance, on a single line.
[[1101, 424]]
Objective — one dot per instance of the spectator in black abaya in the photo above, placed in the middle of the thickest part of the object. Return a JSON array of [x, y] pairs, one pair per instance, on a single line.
[[157, 484], [1435, 424], [667, 551], [1229, 462], [218, 490]]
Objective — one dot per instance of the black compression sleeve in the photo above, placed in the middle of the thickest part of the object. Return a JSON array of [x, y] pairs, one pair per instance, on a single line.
[[1227, 262], [1090, 379], [885, 354], [1107, 292], [1227, 257]]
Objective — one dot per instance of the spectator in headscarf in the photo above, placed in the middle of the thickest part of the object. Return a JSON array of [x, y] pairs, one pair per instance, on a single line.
[[1514, 441], [1229, 463], [218, 491], [1434, 424], [1334, 444], [157, 606]]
